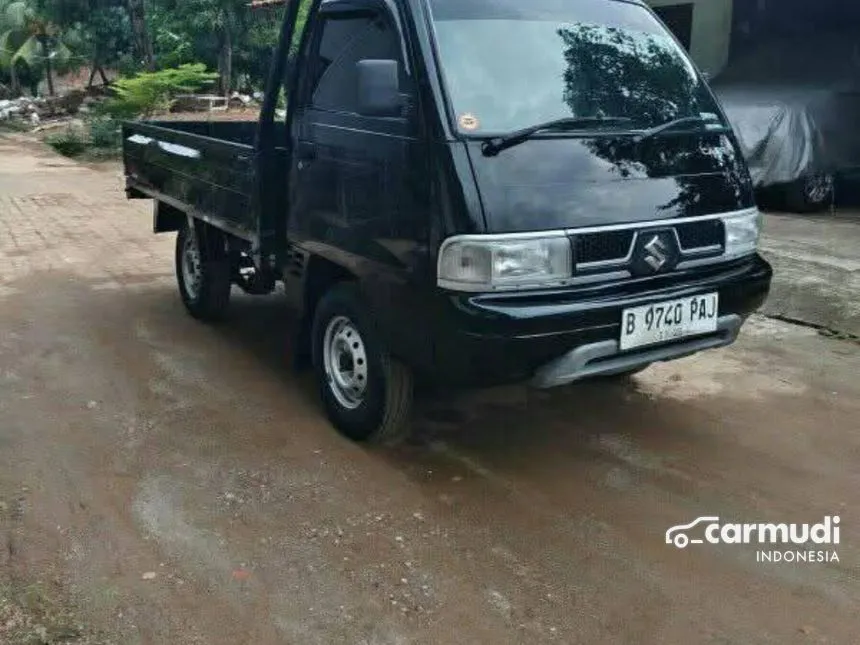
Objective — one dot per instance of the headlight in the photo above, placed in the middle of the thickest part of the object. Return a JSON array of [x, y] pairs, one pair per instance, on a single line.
[[487, 263], [742, 233]]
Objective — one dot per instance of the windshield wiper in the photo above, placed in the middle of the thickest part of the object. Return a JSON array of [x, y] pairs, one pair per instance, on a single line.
[[687, 120], [494, 146]]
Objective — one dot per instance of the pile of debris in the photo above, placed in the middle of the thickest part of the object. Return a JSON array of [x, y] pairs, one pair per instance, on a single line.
[[33, 111], [21, 109], [239, 100], [214, 103], [55, 110]]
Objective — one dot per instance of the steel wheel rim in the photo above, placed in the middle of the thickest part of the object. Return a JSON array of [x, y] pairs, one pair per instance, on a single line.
[[345, 361], [192, 269], [819, 187]]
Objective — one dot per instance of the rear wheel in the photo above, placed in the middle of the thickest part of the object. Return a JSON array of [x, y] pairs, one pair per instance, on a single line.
[[811, 194], [203, 272], [367, 394]]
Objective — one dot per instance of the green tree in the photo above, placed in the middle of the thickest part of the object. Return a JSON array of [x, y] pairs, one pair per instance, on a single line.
[[102, 29], [215, 29], [140, 31], [30, 35], [12, 37], [227, 35]]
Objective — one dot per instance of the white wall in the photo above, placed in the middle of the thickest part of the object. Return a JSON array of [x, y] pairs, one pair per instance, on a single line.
[[712, 31]]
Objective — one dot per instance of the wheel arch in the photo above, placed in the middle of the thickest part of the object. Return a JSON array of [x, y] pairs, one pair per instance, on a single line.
[[321, 275], [167, 218], [318, 275]]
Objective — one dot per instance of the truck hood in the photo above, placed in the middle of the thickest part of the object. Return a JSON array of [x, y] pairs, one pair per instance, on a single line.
[[566, 182]]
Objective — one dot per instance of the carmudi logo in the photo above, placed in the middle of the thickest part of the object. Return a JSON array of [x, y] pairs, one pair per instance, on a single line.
[[709, 530]]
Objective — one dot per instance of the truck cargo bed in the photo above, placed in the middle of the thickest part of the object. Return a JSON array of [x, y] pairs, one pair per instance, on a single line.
[[206, 169]]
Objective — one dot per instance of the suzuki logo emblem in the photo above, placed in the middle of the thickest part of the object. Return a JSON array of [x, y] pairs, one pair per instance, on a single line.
[[657, 253]]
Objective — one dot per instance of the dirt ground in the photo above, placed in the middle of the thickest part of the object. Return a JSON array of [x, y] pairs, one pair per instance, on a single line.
[[167, 482]]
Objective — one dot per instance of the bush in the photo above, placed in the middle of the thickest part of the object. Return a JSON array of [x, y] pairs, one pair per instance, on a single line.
[[69, 142], [151, 92], [99, 138], [15, 125], [105, 132]]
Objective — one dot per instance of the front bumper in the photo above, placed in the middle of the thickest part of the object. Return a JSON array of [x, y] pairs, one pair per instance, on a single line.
[[556, 337], [606, 358]]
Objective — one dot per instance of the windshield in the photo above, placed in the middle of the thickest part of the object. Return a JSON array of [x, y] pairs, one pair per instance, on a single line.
[[509, 64]]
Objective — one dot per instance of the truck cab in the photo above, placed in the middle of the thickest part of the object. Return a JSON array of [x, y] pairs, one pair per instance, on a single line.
[[473, 193]]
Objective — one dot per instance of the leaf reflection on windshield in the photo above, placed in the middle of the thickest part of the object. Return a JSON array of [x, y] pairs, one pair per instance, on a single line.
[[615, 71]]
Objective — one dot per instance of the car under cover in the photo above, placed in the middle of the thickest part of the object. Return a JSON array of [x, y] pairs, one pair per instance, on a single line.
[[795, 106]]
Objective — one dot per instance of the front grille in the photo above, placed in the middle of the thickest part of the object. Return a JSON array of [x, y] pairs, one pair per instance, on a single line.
[[607, 251], [699, 235], [606, 246]]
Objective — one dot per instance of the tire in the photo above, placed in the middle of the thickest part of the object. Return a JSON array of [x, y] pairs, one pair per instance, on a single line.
[[204, 288], [372, 404], [811, 194]]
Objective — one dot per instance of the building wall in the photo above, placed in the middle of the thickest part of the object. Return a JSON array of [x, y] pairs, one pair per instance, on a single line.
[[711, 32]]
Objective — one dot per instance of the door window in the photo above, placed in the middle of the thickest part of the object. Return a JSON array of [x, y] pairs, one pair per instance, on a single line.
[[343, 43]]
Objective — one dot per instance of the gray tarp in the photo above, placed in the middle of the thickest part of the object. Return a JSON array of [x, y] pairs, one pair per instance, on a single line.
[[787, 133], [795, 106]]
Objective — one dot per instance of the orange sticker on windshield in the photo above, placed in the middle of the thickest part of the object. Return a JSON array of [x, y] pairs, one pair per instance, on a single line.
[[469, 121]]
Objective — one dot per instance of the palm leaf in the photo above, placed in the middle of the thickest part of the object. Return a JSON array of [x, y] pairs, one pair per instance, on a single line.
[[6, 49], [30, 52], [16, 14]]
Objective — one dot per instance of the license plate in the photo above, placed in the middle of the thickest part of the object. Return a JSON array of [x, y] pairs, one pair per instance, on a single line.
[[668, 321]]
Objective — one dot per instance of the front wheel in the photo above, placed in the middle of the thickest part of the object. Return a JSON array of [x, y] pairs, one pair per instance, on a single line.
[[203, 272], [367, 394]]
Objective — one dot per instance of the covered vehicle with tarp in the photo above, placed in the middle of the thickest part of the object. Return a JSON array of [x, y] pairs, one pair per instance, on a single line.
[[794, 103]]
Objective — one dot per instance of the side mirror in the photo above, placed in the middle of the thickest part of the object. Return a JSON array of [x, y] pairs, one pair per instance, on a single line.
[[379, 88]]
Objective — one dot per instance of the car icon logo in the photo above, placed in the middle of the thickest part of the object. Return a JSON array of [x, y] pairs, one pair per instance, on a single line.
[[678, 535]]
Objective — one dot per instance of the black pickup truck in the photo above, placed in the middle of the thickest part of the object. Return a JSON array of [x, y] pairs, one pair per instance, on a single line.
[[475, 193]]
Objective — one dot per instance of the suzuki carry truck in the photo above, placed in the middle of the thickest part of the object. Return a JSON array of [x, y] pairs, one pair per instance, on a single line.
[[471, 192]]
